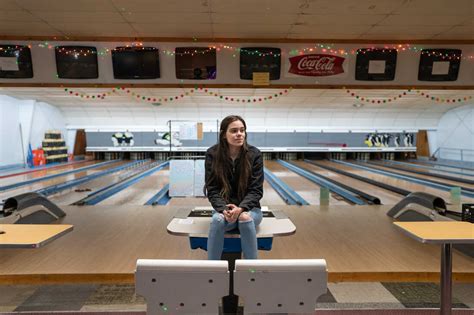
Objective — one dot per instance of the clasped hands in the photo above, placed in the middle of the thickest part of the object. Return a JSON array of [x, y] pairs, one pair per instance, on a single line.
[[231, 214]]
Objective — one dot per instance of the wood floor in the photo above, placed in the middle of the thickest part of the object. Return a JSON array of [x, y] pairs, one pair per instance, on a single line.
[[359, 243]]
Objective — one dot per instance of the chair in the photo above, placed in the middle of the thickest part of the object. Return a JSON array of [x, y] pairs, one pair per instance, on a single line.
[[182, 286], [280, 285]]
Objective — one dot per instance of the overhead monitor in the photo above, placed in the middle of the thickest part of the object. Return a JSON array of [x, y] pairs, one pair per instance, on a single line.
[[376, 64], [136, 63], [439, 64], [76, 62], [260, 59], [15, 62], [195, 63]]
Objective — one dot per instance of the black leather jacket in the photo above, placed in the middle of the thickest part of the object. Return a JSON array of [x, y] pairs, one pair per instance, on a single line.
[[255, 185]]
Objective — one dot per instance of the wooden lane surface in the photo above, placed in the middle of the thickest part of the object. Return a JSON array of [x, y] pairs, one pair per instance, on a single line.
[[70, 196], [270, 197], [396, 182], [386, 197], [445, 181], [54, 181], [189, 202], [435, 171], [45, 172], [304, 187], [141, 191], [447, 168], [358, 243]]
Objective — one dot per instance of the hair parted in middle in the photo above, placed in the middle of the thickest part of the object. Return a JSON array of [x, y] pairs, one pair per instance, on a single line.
[[221, 169]]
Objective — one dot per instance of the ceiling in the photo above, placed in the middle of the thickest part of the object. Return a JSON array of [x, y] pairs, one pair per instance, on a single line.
[[296, 98], [264, 19], [299, 109], [238, 19]]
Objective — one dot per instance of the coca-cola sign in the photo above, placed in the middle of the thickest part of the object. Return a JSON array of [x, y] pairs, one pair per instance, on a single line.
[[316, 65]]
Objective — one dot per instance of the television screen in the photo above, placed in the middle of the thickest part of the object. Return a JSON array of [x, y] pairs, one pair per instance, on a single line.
[[376, 64], [439, 64], [195, 63], [136, 63], [76, 62], [15, 62], [260, 59]]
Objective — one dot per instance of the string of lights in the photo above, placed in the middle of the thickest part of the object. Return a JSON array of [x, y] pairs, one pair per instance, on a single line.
[[171, 98], [97, 96], [376, 100], [314, 48], [404, 93], [259, 99], [442, 99]]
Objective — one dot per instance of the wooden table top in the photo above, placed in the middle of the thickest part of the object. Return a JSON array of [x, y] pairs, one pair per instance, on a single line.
[[30, 235], [439, 232]]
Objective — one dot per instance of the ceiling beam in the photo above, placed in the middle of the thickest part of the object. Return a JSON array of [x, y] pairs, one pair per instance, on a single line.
[[234, 40], [240, 86]]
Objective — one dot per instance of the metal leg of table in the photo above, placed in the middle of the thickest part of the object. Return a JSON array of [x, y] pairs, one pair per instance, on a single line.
[[230, 303], [446, 278]]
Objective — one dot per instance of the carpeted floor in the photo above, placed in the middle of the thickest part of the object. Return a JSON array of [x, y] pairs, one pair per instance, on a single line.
[[359, 297]]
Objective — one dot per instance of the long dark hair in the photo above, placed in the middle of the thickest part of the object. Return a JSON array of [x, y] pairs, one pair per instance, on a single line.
[[221, 167]]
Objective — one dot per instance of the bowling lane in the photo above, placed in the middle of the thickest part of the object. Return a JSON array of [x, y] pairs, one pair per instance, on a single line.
[[77, 193], [468, 173], [385, 196], [55, 181], [45, 172], [191, 202], [141, 191], [270, 196], [12, 172], [305, 188], [420, 176], [430, 171], [395, 181]]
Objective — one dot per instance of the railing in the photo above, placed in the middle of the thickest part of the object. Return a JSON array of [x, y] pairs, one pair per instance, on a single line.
[[463, 155]]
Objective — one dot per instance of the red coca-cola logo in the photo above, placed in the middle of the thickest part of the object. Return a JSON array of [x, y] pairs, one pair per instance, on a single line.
[[316, 65]]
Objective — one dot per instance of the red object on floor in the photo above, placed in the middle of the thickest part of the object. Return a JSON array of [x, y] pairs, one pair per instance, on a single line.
[[38, 157]]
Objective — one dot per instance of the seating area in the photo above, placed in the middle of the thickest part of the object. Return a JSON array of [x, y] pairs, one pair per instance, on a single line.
[[196, 286]]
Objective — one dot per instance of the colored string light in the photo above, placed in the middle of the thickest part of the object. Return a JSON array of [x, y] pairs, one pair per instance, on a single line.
[[167, 99], [443, 100], [151, 99], [172, 98], [376, 101], [245, 100], [318, 47], [94, 96], [404, 93]]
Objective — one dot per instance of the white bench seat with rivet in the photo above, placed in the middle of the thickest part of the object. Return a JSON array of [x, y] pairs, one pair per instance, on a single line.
[[182, 286], [280, 285]]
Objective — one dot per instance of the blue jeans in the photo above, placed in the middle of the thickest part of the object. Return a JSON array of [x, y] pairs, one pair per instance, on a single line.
[[248, 234]]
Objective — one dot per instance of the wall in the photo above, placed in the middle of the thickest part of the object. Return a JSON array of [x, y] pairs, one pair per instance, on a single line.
[[433, 140], [266, 141], [10, 140], [455, 133], [45, 117], [228, 71], [34, 117]]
